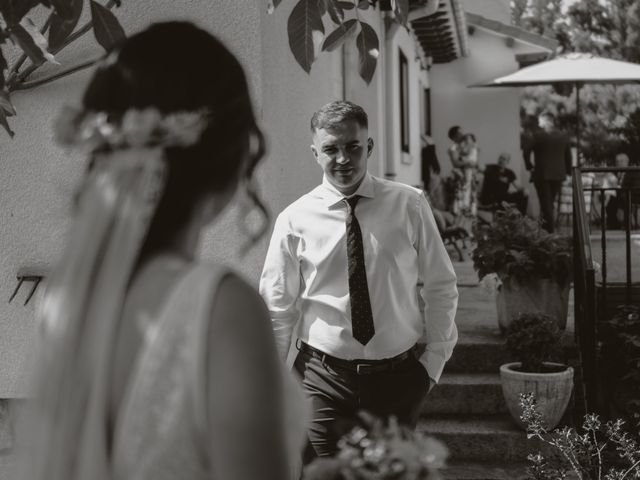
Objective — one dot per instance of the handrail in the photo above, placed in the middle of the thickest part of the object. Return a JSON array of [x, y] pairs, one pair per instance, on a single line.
[[584, 296]]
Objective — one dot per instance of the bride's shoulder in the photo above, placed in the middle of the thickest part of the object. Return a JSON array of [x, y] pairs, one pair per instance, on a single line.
[[233, 298]]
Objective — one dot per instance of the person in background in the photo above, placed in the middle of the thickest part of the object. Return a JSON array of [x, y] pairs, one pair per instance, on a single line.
[[551, 152], [628, 184], [500, 185], [341, 276]]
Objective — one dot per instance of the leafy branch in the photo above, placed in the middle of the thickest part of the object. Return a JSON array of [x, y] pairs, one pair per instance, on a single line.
[[61, 27], [306, 29]]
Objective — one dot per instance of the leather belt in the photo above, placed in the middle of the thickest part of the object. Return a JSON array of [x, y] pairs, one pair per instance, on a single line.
[[361, 367]]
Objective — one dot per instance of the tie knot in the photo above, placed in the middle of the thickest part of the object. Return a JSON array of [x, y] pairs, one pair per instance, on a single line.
[[352, 202]]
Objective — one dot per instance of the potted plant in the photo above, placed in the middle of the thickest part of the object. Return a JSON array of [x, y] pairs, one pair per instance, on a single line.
[[533, 339], [533, 266]]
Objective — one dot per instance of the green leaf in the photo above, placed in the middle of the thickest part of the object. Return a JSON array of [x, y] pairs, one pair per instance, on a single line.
[[306, 32], [5, 124], [363, 4], [272, 5], [65, 8], [14, 10], [338, 36], [25, 41], [335, 11], [106, 28], [346, 5], [6, 105], [62, 25], [401, 10], [369, 50]]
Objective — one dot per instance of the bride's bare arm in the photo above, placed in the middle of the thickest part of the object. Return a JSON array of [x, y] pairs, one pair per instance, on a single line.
[[244, 388]]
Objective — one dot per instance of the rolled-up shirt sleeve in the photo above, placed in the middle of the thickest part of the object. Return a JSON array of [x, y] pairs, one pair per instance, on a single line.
[[280, 284], [439, 292]]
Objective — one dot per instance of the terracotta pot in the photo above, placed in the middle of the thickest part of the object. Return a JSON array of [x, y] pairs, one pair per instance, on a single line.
[[533, 296], [552, 391]]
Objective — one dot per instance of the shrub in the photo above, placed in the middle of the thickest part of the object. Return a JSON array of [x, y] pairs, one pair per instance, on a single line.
[[533, 338], [599, 452], [517, 246]]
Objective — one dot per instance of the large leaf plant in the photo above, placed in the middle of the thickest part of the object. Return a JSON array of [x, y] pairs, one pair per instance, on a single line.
[[307, 36], [39, 45]]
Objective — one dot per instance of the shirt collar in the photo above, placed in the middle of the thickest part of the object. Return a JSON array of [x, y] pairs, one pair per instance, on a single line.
[[332, 197]]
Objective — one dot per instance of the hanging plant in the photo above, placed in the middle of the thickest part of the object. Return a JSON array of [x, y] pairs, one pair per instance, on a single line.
[[308, 38], [61, 28]]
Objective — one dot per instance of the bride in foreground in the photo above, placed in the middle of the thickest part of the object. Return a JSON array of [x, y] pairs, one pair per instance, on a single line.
[[153, 364]]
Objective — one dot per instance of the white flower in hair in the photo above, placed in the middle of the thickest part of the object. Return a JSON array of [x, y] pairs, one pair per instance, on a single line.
[[139, 126], [90, 131]]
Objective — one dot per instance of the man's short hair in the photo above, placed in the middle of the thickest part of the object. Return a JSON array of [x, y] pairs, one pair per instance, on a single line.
[[453, 131], [337, 112]]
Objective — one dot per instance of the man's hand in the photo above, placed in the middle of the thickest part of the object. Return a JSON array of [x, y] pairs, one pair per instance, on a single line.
[[432, 383]]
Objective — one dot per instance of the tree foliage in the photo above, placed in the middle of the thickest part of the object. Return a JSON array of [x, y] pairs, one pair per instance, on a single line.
[[39, 45], [308, 36], [611, 29]]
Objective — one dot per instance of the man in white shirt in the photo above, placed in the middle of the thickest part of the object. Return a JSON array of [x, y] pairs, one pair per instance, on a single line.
[[340, 281]]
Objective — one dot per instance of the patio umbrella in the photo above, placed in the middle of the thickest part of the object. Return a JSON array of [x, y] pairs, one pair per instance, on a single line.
[[573, 68]]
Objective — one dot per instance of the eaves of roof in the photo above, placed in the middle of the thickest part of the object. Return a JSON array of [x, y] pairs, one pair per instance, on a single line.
[[512, 31], [443, 34]]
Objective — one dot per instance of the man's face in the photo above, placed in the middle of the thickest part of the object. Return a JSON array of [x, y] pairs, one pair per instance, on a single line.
[[622, 160], [503, 160], [342, 152]]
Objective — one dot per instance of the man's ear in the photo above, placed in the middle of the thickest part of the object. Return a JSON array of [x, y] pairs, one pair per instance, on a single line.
[[314, 150], [369, 146]]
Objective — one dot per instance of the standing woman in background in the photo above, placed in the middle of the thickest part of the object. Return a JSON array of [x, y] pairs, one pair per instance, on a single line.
[[154, 365]]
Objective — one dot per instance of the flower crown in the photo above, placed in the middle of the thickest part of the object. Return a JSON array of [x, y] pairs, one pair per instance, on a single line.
[[90, 131]]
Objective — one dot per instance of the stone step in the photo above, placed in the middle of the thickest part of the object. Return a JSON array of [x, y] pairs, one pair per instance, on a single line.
[[484, 351], [477, 352], [464, 393], [482, 438], [485, 471]]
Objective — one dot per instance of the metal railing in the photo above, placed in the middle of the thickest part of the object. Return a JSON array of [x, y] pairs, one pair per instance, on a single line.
[[584, 289], [596, 299]]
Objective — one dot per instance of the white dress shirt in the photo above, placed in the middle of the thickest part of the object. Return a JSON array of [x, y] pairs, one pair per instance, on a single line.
[[305, 280]]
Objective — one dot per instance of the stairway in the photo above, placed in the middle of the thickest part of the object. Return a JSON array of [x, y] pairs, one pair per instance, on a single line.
[[466, 410]]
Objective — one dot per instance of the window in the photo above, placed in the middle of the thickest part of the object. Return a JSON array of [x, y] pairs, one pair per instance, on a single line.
[[404, 103], [426, 114]]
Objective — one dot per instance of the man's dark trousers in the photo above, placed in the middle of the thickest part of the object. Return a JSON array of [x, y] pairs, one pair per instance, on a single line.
[[338, 394], [548, 192]]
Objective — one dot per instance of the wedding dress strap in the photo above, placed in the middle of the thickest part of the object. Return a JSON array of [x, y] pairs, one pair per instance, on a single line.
[[205, 279]]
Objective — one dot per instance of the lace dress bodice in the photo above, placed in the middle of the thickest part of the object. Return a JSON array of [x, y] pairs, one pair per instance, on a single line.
[[162, 431]]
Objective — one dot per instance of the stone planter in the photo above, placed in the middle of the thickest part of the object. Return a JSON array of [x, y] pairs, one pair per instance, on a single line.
[[552, 391], [533, 296]]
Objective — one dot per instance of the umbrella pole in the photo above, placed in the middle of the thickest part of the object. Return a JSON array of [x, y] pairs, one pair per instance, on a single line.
[[578, 85]]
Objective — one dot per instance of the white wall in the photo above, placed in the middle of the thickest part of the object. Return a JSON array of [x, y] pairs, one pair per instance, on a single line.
[[494, 9]]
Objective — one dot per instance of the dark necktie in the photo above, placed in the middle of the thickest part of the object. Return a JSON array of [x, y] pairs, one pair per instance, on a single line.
[[361, 316]]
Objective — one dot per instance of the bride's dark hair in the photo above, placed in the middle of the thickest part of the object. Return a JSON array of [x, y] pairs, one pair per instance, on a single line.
[[175, 67]]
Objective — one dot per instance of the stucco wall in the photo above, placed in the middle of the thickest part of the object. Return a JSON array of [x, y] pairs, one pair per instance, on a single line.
[[492, 114], [38, 178], [499, 10]]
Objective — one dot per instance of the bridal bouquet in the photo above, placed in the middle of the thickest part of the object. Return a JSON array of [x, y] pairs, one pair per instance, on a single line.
[[381, 451]]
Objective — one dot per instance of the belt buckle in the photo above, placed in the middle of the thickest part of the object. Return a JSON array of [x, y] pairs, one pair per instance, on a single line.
[[362, 368]]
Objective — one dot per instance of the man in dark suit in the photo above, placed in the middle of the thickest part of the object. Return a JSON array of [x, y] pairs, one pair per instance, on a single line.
[[551, 150], [500, 185]]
